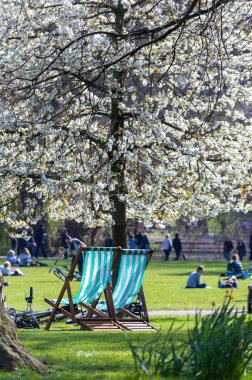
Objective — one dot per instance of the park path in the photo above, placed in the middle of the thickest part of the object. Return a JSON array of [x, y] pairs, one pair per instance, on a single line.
[[181, 312]]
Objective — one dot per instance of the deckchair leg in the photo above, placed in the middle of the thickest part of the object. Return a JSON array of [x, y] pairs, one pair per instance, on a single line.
[[56, 306], [65, 287], [144, 306], [70, 298], [110, 303], [93, 305]]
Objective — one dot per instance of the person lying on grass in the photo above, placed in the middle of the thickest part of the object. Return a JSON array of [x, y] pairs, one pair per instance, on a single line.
[[7, 270], [195, 278], [230, 282]]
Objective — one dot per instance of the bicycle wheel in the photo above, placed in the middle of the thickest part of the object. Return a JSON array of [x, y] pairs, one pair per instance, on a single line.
[[60, 274], [27, 322], [42, 314], [77, 276]]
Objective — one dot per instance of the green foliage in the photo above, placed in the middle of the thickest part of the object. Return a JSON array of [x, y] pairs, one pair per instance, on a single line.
[[84, 355], [159, 356], [229, 223], [219, 346]]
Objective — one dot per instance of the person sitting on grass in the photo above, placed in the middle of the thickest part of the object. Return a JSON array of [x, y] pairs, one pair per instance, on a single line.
[[195, 278], [25, 258], [2, 297], [12, 258], [235, 268], [5, 269]]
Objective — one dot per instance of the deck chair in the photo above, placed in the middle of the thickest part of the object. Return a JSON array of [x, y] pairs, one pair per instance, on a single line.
[[129, 285], [97, 265]]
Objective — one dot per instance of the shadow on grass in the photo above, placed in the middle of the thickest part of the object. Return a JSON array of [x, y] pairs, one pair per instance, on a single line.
[[84, 351]]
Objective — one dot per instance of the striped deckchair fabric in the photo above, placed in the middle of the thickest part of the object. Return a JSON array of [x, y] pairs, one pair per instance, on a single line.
[[111, 314], [97, 266], [129, 285], [130, 277]]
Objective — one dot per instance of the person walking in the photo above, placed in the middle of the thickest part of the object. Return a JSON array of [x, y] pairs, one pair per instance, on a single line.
[[39, 239], [241, 248], [75, 244], [64, 237], [13, 244], [21, 242], [227, 248], [132, 242], [108, 242], [177, 246], [250, 246], [138, 239], [30, 243], [145, 244], [167, 246]]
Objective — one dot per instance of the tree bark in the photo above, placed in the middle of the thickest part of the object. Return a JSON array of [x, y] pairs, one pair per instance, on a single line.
[[119, 227], [119, 233], [12, 352]]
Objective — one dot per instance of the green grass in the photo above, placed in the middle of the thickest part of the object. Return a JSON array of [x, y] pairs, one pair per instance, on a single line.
[[84, 355], [93, 355], [163, 286], [164, 282]]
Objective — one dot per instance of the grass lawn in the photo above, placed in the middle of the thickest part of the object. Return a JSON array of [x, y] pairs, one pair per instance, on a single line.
[[99, 355]]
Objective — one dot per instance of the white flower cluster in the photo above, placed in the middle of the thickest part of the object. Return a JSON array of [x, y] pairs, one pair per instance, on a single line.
[[112, 107]]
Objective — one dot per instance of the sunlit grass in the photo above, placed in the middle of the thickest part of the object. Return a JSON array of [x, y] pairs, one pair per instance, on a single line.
[[104, 355], [163, 285]]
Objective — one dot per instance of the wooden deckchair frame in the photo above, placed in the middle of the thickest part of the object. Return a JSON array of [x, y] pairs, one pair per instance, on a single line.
[[91, 309], [134, 322]]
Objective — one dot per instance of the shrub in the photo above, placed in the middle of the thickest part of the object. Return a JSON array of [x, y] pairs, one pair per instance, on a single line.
[[159, 356], [218, 347]]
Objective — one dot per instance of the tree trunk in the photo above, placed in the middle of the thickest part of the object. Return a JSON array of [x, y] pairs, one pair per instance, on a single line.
[[12, 352], [119, 227], [119, 233]]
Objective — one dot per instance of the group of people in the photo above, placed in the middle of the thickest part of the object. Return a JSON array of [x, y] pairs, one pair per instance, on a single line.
[[233, 273], [10, 266], [138, 241], [23, 250], [33, 242], [13, 261], [228, 248], [168, 245]]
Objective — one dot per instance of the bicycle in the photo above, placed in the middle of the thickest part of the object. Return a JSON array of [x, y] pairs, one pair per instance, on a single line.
[[30, 319], [136, 307], [63, 271]]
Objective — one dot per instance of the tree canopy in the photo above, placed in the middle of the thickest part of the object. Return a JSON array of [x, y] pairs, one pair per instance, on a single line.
[[118, 108]]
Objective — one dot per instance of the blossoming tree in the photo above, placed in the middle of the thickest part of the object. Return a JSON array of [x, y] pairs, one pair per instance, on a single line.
[[125, 108]]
